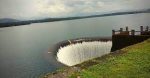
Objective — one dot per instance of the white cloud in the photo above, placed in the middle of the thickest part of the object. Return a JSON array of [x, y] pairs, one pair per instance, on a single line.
[[62, 8]]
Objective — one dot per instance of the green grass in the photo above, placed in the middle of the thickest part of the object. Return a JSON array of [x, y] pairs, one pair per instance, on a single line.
[[133, 63]]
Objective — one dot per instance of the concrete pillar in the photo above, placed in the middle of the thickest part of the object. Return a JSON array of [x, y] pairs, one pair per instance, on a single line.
[[132, 32], [121, 30], [147, 28], [127, 28], [141, 29], [113, 32]]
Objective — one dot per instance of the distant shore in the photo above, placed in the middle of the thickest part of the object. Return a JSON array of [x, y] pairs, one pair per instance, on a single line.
[[27, 22]]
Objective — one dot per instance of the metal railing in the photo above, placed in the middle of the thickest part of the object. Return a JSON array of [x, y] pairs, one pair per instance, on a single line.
[[143, 31]]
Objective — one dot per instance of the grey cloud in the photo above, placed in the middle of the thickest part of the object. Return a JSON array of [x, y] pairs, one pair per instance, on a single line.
[[25, 9]]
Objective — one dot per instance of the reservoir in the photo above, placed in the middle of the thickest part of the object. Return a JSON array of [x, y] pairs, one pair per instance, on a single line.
[[24, 49]]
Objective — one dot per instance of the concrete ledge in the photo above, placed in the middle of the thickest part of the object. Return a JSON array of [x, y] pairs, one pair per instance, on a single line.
[[121, 41]]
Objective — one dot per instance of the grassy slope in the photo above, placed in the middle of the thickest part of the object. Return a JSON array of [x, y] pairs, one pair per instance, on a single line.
[[134, 63]]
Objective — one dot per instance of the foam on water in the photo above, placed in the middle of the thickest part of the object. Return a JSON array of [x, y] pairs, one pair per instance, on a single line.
[[77, 53]]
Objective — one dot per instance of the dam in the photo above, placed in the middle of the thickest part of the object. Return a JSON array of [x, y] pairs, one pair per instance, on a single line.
[[76, 51]]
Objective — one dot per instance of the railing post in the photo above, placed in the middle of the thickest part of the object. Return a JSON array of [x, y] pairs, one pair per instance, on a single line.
[[147, 28], [127, 28], [121, 30], [141, 29], [132, 32], [113, 32]]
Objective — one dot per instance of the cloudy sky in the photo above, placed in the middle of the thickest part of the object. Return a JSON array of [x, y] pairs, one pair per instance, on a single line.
[[33, 9]]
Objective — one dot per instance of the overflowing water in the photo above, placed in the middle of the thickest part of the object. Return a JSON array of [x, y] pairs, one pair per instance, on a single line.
[[77, 53]]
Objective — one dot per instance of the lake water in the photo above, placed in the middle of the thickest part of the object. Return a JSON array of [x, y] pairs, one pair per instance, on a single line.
[[24, 49]]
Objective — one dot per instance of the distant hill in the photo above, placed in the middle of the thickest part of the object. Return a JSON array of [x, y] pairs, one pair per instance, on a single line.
[[7, 22]]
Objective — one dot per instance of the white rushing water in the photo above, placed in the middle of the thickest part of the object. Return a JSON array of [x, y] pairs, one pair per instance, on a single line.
[[77, 53]]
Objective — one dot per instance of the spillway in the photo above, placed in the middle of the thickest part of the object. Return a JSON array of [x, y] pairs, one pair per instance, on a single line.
[[79, 52]]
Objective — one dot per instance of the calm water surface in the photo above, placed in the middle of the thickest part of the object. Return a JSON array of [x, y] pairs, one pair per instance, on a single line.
[[23, 49]]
